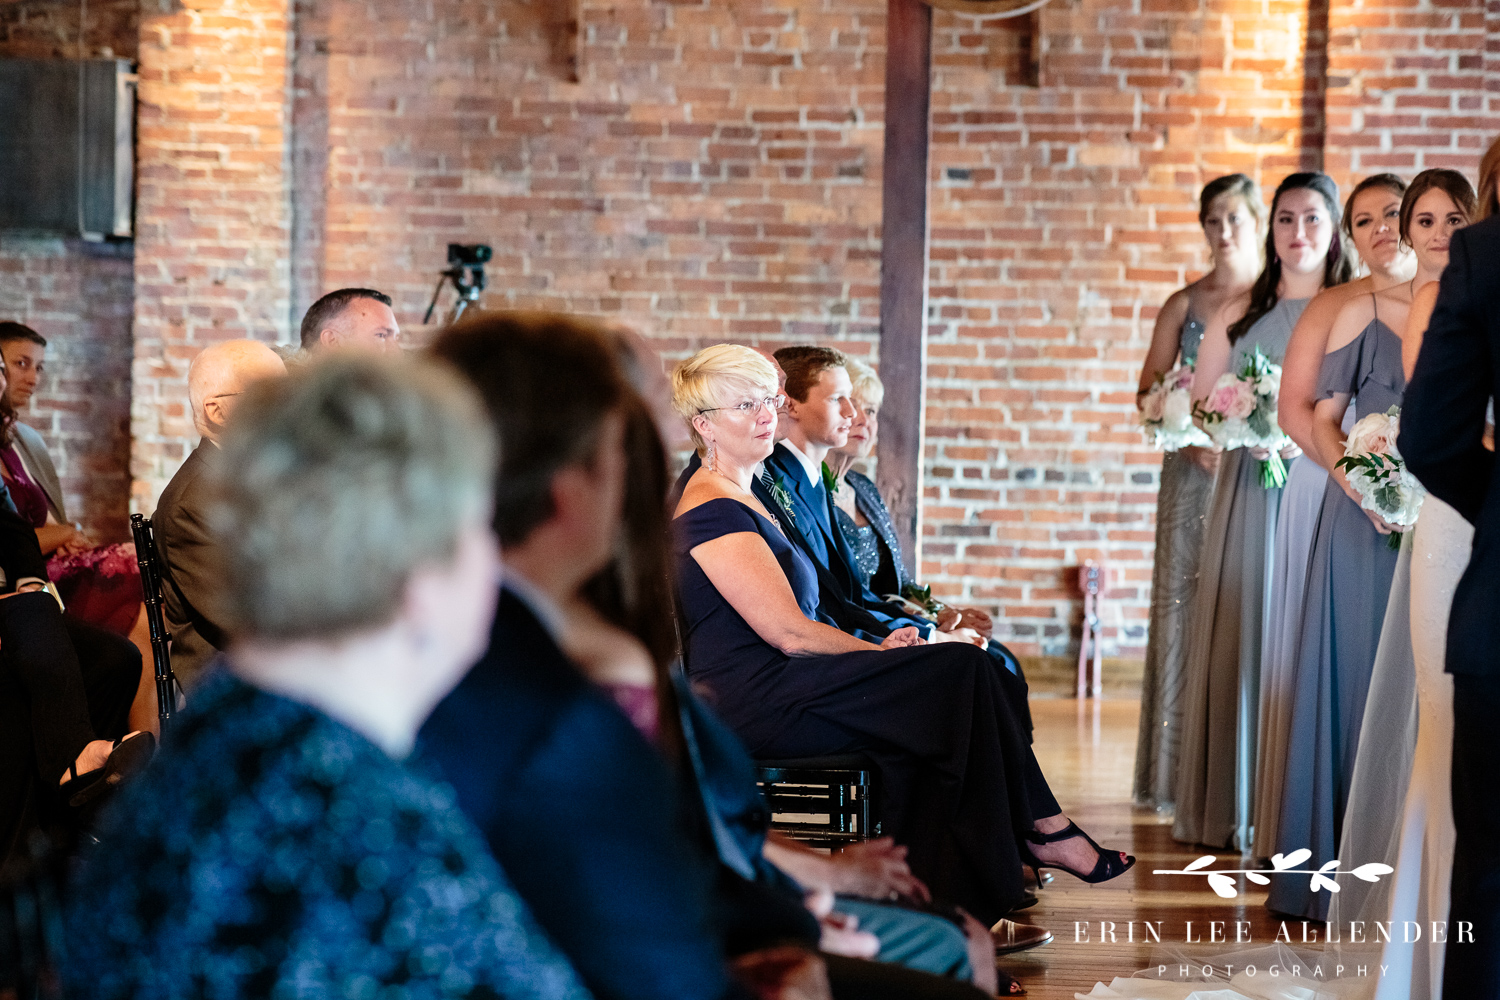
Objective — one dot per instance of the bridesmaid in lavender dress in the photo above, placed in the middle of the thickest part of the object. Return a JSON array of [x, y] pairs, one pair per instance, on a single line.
[[1215, 779], [1230, 210]]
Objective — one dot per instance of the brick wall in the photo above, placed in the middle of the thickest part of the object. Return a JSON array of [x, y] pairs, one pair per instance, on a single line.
[[213, 207], [77, 295], [1063, 214], [1406, 87], [713, 172]]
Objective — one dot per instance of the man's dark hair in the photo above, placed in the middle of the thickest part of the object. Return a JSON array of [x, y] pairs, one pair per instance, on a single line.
[[549, 380], [804, 365], [327, 309], [10, 330]]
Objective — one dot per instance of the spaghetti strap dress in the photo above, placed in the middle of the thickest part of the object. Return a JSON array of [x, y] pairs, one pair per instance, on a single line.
[[1348, 588], [1215, 781], [1181, 507], [958, 783]]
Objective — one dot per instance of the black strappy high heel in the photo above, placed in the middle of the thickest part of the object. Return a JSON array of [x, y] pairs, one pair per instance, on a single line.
[[1107, 867], [129, 757]]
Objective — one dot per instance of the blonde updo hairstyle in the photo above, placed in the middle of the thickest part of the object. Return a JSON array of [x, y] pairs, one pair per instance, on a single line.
[[867, 385], [715, 377]]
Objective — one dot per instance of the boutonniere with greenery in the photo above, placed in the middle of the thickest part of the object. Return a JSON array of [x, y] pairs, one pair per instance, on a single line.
[[830, 481], [922, 597], [782, 497]]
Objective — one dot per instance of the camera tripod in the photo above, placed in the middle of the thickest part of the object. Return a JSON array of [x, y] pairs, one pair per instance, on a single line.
[[466, 272]]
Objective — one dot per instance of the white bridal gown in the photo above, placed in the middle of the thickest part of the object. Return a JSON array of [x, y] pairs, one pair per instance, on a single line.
[[1424, 866]]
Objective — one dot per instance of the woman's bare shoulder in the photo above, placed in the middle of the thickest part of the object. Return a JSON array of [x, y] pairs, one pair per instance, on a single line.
[[1353, 316], [700, 489]]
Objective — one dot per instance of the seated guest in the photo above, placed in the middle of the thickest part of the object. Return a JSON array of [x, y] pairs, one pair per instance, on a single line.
[[968, 800], [100, 584], [627, 646], [862, 517], [280, 845], [189, 551], [819, 409], [65, 694], [351, 317]]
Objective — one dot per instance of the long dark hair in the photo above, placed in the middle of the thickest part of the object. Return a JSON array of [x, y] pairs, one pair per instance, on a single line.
[[1338, 266], [635, 591], [7, 411]]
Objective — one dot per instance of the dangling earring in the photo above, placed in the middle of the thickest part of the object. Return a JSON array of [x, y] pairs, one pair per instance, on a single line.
[[710, 458]]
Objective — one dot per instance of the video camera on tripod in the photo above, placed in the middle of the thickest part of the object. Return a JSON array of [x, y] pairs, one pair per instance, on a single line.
[[466, 270]]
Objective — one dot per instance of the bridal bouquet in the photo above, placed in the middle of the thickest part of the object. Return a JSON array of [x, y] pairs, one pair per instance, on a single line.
[[1378, 474], [1240, 412], [1167, 411]]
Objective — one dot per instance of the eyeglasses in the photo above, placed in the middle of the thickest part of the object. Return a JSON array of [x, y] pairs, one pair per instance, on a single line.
[[750, 406]]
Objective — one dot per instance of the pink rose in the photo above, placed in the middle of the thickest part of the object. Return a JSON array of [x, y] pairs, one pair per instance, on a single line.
[[1244, 401], [1223, 397]]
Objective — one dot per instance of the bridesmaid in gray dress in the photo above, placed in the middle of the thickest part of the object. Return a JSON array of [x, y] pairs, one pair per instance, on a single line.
[[1348, 587], [1230, 210], [1216, 776], [1372, 223]]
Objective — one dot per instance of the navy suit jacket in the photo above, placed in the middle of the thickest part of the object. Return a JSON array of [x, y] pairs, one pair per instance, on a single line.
[[1442, 432], [813, 511], [583, 815]]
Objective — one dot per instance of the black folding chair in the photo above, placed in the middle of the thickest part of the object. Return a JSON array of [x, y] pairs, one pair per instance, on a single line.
[[822, 800], [151, 583]]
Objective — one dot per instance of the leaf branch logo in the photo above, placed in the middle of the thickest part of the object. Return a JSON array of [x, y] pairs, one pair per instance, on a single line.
[[1222, 880]]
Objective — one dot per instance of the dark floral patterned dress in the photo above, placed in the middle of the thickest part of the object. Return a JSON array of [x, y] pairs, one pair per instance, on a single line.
[[270, 851]]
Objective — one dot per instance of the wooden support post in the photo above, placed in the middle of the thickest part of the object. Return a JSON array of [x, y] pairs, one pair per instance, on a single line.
[[903, 268]]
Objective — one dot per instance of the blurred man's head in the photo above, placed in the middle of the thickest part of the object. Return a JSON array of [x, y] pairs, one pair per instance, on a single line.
[[220, 374], [351, 317], [555, 390], [25, 353]]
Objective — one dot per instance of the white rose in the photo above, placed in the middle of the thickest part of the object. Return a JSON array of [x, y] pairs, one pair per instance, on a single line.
[[1177, 410]]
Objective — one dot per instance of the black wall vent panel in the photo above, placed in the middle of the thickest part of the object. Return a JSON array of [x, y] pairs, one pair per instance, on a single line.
[[67, 146]]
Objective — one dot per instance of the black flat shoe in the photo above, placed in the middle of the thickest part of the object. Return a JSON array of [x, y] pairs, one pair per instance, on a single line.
[[128, 758], [1107, 867]]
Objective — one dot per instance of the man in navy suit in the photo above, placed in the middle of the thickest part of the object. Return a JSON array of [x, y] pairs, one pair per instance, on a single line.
[[1442, 439], [819, 412]]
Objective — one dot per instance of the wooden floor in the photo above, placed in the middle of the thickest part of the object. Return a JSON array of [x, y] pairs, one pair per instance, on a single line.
[[1088, 753]]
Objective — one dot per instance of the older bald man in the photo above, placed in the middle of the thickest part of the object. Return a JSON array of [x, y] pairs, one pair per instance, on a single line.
[[189, 557]]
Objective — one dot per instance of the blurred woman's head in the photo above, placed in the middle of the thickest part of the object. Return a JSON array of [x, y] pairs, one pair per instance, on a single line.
[[869, 393], [1372, 219], [1438, 203], [728, 395], [1230, 210], [352, 497]]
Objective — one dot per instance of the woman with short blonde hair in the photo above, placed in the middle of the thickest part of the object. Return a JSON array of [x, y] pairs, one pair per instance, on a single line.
[[968, 800], [278, 843]]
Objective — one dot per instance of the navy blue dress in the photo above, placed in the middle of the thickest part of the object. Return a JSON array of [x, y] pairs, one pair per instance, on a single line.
[[959, 783], [270, 851]]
